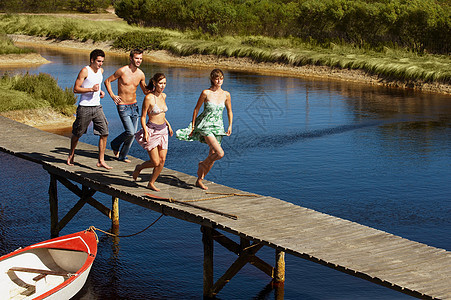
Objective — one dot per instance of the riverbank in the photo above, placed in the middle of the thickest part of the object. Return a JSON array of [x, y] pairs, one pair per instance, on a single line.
[[45, 119], [12, 60], [241, 64]]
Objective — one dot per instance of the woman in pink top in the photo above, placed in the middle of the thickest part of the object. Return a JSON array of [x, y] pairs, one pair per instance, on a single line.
[[153, 136]]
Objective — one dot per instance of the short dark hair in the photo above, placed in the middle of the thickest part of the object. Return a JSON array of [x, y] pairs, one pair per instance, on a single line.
[[135, 51], [95, 53]]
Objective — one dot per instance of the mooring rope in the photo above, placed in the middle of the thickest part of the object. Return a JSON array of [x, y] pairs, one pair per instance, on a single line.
[[224, 195], [123, 236], [233, 194]]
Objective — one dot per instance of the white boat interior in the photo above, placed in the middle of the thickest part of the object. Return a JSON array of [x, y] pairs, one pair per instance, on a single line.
[[34, 272]]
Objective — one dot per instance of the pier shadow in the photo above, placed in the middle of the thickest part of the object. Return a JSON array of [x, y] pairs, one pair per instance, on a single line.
[[175, 181], [163, 178], [82, 152]]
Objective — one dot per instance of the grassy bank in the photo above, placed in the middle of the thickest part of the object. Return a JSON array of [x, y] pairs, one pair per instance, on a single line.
[[7, 46], [388, 64], [27, 91]]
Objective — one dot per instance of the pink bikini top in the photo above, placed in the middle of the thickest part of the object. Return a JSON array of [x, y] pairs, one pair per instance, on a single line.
[[157, 110]]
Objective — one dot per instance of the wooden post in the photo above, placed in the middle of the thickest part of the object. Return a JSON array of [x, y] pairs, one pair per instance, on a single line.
[[53, 200], [279, 275], [115, 215], [207, 240], [279, 270]]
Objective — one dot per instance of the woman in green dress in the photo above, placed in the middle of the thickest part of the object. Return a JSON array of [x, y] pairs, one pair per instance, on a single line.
[[208, 126]]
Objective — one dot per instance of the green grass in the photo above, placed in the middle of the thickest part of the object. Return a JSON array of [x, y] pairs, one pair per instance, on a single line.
[[392, 64], [7, 46], [29, 91], [396, 64]]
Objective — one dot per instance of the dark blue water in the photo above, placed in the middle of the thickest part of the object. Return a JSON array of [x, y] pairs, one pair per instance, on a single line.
[[380, 157]]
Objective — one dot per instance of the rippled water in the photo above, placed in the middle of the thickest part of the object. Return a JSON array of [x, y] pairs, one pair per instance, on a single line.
[[377, 156]]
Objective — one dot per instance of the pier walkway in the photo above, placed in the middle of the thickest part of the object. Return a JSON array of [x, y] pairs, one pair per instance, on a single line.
[[383, 258]]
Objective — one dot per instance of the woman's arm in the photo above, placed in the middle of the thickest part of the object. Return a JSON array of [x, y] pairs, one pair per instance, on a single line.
[[145, 109], [228, 105], [166, 120], [171, 132], [200, 101]]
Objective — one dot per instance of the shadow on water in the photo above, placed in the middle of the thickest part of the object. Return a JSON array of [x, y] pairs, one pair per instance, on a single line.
[[277, 140]]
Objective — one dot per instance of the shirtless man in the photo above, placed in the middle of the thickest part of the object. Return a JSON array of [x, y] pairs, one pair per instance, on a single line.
[[89, 109], [129, 77]]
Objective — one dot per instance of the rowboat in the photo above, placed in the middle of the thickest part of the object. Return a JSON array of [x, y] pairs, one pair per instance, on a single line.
[[53, 269]]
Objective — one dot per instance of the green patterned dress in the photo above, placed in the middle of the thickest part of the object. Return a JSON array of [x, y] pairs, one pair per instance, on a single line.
[[209, 122]]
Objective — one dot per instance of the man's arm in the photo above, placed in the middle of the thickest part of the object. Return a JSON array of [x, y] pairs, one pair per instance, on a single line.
[[82, 75], [116, 75], [143, 84]]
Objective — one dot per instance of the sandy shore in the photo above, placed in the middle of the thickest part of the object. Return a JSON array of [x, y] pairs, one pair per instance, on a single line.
[[43, 118], [12, 60]]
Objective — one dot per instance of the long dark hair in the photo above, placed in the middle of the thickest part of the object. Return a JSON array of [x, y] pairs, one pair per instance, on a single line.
[[157, 77]]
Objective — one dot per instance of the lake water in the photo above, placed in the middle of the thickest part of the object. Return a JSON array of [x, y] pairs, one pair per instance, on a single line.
[[377, 156]]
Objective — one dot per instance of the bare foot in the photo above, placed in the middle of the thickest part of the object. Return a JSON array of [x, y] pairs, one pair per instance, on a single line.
[[104, 165], [153, 187], [200, 184], [116, 153], [126, 161], [70, 160], [136, 172]]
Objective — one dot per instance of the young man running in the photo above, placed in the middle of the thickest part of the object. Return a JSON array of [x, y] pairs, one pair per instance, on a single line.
[[89, 109], [129, 77]]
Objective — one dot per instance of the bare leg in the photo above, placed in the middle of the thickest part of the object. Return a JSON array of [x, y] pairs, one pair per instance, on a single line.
[[156, 160], [210, 161], [102, 146], [157, 170], [205, 166], [215, 153], [145, 165], [73, 143]]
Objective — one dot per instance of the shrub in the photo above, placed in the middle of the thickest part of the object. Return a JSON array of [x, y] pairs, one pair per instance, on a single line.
[[44, 89], [141, 40], [7, 46]]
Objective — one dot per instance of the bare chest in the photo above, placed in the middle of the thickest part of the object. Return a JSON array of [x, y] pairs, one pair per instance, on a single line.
[[130, 80]]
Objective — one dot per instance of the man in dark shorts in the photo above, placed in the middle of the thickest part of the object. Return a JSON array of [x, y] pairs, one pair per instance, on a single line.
[[89, 109]]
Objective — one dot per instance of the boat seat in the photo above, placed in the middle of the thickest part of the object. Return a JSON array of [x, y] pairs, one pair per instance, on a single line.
[[44, 281], [42, 273]]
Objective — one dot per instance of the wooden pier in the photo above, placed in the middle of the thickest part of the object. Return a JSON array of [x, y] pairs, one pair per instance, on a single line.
[[392, 261]]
